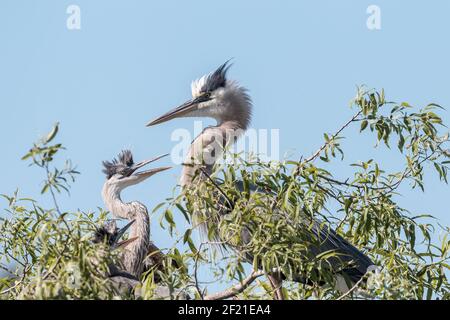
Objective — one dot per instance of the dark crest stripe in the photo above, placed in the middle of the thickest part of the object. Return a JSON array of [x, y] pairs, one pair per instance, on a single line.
[[217, 79], [124, 160]]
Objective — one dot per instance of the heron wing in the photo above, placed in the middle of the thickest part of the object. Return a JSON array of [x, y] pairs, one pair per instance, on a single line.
[[349, 260]]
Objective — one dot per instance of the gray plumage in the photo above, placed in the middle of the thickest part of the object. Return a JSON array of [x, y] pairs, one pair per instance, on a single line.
[[121, 165], [107, 233], [122, 281]]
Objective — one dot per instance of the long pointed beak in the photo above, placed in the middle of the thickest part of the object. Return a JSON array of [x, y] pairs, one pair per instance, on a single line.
[[123, 244], [181, 111], [141, 164], [151, 172], [120, 234]]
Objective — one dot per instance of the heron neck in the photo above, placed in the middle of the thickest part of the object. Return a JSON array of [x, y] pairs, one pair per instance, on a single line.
[[114, 203], [136, 251], [207, 148]]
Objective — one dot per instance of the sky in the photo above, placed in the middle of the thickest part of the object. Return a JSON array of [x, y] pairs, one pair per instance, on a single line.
[[132, 61]]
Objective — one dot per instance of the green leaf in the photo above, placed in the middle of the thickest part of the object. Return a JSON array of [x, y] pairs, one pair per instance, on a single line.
[[187, 236], [363, 125], [348, 202], [52, 134], [158, 207], [184, 212], [169, 217], [45, 188]]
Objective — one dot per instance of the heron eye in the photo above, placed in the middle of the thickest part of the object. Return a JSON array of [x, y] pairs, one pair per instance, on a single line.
[[123, 172], [207, 94]]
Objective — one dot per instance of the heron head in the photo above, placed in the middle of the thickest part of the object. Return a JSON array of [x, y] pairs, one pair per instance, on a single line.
[[123, 172], [215, 97], [111, 235]]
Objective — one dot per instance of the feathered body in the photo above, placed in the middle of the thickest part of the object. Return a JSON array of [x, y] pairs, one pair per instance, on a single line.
[[230, 105]]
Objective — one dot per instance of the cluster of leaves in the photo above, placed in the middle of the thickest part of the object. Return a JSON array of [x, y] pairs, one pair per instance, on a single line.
[[42, 155], [50, 256], [46, 253], [276, 202]]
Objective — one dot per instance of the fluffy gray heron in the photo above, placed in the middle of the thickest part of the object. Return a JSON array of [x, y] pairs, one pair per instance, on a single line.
[[123, 281], [122, 173], [111, 235], [216, 97]]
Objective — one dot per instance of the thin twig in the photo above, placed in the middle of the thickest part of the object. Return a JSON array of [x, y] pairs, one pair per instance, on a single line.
[[406, 173], [353, 288], [391, 188], [235, 290], [7, 270], [350, 185], [230, 203], [50, 271], [51, 190], [197, 286], [17, 283], [326, 144]]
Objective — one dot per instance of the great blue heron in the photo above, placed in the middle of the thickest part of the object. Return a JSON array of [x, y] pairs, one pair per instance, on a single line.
[[214, 96], [139, 252]]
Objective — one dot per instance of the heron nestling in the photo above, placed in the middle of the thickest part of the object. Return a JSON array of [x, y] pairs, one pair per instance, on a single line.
[[122, 173], [109, 234], [214, 96]]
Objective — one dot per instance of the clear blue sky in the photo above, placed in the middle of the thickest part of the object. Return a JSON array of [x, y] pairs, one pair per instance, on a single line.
[[133, 60]]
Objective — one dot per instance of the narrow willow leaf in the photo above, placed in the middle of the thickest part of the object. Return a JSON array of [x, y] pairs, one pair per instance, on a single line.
[[52, 134], [363, 125]]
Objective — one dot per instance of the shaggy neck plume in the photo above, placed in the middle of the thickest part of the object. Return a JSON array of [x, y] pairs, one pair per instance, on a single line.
[[208, 146]]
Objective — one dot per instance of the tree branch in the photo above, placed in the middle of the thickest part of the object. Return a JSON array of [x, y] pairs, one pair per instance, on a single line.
[[196, 282], [327, 143], [230, 203], [349, 292], [47, 170], [233, 291], [17, 283], [277, 285]]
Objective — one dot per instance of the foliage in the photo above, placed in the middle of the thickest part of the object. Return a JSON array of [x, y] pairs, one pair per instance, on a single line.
[[363, 208], [55, 258], [48, 254]]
